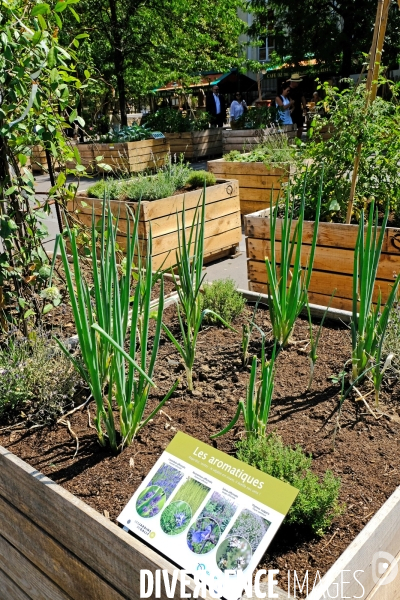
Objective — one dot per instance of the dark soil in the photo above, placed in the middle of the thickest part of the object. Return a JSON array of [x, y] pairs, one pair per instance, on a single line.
[[365, 454]]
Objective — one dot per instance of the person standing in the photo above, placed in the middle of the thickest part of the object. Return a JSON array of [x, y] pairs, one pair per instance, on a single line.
[[284, 106], [296, 94], [216, 108], [237, 110]]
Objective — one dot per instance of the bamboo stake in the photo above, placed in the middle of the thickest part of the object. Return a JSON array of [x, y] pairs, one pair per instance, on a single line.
[[371, 87]]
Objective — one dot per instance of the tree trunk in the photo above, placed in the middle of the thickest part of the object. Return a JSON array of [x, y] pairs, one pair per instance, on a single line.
[[119, 60], [347, 47]]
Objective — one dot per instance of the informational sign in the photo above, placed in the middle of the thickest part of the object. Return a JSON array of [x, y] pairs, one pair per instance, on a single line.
[[157, 135], [207, 511]]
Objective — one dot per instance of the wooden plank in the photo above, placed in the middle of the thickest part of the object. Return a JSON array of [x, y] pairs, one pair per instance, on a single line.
[[212, 245], [259, 195], [24, 573], [186, 135], [324, 300], [388, 590], [9, 590], [337, 260], [163, 225], [322, 282], [108, 550], [249, 206], [382, 533], [58, 563], [223, 167]]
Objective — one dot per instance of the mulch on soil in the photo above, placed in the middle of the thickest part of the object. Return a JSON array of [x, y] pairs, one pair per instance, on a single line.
[[365, 454]]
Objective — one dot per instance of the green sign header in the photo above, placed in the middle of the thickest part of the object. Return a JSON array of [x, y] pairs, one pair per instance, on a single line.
[[250, 481]]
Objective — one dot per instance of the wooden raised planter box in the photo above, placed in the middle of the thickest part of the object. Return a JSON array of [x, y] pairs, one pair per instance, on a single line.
[[222, 229], [39, 161], [333, 263], [256, 182], [196, 144], [54, 546], [245, 140], [131, 157]]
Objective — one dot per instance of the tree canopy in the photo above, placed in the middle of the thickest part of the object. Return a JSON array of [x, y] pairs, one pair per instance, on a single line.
[[335, 33]]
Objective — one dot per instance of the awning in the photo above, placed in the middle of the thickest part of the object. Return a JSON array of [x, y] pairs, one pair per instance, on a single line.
[[206, 79], [304, 66]]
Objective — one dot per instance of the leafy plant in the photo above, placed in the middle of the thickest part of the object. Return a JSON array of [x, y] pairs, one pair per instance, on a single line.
[[222, 297], [317, 504], [37, 382], [131, 133], [260, 117], [274, 148], [102, 316], [378, 130], [201, 179], [163, 184], [255, 409], [369, 323], [170, 120], [287, 280], [189, 274]]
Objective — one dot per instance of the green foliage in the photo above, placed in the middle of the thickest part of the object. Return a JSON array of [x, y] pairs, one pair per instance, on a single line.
[[255, 409], [316, 505], [102, 316], [171, 120], [38, 82], [193, 492], [36, 379], [188, 280], [260, 117], [131, 133], [369, 322], [378, 130], [221, 297], [287, 281], [175, 176], [274, 149], [198, 179]]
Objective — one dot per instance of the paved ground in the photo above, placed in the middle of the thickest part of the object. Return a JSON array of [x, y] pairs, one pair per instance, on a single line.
[[228, 267]]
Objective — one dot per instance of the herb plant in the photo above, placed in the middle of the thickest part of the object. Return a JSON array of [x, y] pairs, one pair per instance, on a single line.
[[102, 315], [201, 178], [131, 133], [287, 280], [188, 281], [317, 503], [255, 409], [170, 120], [221, 297], [274, 149], [369, 323]]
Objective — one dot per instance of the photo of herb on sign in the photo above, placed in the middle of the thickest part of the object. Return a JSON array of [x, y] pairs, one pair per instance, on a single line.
[[161, 486], [187, 500], [220, 509], [243, 539]]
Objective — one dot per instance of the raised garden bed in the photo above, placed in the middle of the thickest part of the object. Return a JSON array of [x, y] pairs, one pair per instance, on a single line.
[[101, 561], [333, 264], [256, 180], [38, 160], [222, 229], [245, 140], [131, 157], [196, 144]]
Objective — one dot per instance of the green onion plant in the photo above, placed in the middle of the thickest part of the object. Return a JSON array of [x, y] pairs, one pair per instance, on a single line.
[[255, 409], [102, 314], [188, 280], [246, 335], [369, 322], [287, 280]]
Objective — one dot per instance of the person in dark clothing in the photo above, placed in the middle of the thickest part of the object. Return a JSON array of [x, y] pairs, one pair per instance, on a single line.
[[216, 107], [296, 94]]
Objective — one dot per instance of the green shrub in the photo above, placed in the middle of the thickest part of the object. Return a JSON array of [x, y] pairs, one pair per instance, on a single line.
[[198, 178], [274, 148], [163, 184], [170, 120], [36, 378], [316, 505], [221, 297]]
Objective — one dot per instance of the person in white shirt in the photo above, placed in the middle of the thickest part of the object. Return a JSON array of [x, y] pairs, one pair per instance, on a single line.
[[284, 106], [237, 110]]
